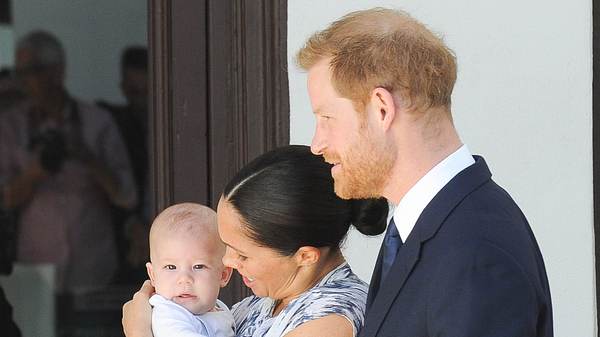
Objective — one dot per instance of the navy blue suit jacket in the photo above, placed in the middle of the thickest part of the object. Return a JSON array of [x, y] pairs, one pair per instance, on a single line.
[[471, 267]]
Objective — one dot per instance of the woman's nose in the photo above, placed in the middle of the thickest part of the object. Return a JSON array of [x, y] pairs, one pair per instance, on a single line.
[[228, 259]]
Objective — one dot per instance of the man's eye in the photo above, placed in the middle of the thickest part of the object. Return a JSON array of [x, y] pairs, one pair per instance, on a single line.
[[199, 266], [170, 267]]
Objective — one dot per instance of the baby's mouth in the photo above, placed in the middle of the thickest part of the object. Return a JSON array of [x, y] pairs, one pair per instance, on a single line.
[[186, 296]]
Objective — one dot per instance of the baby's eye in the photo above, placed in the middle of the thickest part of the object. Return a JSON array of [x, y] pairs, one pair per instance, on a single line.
[[170, 267], [199, 266], [242, 257]]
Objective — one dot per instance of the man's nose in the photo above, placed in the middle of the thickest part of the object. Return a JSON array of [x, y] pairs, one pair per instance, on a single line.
[[317, 146]]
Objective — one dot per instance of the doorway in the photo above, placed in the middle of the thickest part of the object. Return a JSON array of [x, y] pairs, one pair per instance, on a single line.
[[220, 97]]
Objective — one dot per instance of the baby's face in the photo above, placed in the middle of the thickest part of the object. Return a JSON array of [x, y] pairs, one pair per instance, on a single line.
[[187, 271]]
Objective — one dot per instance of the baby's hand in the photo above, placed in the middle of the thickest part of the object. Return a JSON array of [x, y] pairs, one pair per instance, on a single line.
[[137, 313]]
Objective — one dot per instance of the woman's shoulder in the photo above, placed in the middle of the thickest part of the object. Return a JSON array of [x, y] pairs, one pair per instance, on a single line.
[[343, 288], [340, 289], [340, 292], [341, 281]]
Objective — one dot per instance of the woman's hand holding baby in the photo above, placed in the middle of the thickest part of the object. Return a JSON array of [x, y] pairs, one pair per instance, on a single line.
[[137, 313]]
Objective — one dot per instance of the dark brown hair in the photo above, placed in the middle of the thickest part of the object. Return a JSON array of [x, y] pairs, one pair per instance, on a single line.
[[285, 199]]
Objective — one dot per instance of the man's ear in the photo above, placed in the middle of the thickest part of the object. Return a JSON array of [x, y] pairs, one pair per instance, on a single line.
[[150, 272], [383, 105], [307, 255], [225, 276]]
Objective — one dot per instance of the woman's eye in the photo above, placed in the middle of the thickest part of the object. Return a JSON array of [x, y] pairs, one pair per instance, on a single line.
[[170, 267], [199, 266]]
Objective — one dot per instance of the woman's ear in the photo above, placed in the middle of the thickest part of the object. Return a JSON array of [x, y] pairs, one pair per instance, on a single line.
[[307, 255], [225, 276], [150, 272]]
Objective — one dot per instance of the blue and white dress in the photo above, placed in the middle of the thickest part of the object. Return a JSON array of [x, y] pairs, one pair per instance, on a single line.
[[340, 292]]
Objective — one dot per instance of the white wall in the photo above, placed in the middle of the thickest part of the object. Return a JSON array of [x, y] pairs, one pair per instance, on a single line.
[[93, 33], [523, 100]]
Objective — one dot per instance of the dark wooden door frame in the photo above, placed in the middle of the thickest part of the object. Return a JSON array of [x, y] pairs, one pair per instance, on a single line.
[[219, 91]]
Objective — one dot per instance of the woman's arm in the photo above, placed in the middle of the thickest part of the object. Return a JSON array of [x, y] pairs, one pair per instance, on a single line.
[[137, 313], [329, 326]]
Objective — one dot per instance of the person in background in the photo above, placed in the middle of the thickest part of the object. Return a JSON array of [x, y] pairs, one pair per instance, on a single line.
[[62, 165], [132, 120]]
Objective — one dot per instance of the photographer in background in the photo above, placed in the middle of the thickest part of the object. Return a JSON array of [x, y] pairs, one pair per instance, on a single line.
[[62, 165]]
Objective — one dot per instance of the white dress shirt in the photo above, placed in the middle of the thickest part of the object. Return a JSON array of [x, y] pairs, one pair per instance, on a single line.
[[420, 195]]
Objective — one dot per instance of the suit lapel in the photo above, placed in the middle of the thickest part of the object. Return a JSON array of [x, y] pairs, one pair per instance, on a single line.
[[426, 227], [381, 301], [375, 279]]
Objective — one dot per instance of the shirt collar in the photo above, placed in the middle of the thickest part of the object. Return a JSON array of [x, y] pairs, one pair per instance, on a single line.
[[420, 195]]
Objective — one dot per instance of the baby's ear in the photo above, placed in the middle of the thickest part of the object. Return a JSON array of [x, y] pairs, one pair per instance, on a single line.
[[150, 272], [225, 276]]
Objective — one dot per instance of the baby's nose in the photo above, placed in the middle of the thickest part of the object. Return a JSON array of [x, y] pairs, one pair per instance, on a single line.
[[185, 278]]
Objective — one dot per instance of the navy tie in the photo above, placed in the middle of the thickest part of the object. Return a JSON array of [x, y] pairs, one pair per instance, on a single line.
[[391, 245]]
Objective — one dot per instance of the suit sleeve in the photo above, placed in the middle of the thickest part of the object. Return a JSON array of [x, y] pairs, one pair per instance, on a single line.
[[482, 292]]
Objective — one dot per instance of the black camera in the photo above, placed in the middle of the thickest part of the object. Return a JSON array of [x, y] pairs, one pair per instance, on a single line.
[[52, 149]]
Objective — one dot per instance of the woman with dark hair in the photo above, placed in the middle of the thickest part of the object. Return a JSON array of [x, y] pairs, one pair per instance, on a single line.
[[283, 226]]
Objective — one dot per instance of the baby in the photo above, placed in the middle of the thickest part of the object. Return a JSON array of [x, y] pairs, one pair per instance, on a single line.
[[186, 270]]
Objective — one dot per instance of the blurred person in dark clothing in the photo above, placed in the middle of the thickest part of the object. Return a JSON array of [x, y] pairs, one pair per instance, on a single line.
[[132, 121], [132, 118]]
